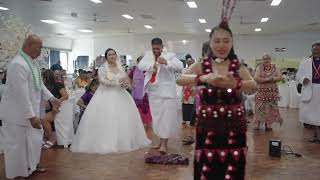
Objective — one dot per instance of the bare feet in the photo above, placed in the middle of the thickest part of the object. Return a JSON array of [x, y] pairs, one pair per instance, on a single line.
[[20, 178], [157, 146], [163, 150]]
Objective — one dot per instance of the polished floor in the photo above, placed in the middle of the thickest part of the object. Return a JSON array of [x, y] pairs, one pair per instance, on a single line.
[[64, 165]]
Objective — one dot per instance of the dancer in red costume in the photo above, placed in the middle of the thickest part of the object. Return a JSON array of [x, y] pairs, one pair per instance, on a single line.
[[221, 126]]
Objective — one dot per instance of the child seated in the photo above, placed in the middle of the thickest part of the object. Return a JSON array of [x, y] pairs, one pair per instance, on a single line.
[[86, 97]]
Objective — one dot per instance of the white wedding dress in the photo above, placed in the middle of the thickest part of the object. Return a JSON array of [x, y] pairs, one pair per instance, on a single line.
[[111, 122]]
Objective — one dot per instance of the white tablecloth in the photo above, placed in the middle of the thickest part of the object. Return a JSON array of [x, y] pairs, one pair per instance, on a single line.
[[1, 141], [64, 122], [77, 94], [284, 95], [294, 95], [289, 96], [2, 87]]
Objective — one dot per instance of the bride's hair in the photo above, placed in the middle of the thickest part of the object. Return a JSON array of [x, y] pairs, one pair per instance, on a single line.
[[106, 53]]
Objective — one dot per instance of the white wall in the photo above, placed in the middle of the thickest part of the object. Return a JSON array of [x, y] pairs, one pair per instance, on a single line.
[[298, 45], [82, 47], [247, 47], [58, 43], [136, 45]]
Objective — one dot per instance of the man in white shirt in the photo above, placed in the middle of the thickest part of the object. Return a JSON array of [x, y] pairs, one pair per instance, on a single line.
[[160, 83], [309, 76], [20, 111]]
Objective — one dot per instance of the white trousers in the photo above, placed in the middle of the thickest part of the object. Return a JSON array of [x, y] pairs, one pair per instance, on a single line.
[[22, 149], [164, 113]]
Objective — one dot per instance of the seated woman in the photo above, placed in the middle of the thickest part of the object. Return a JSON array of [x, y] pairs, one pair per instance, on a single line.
[[59, 91]]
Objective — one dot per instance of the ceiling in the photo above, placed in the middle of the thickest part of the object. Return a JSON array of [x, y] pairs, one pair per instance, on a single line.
[[166, 16]]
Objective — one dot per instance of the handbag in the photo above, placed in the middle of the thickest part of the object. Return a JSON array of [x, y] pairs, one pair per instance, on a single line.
[[299, 87]]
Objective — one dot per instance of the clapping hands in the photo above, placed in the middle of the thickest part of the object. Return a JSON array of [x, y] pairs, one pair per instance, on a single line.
[[125, 83], [220, 81]]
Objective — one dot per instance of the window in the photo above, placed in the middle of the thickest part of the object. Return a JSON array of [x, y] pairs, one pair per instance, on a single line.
[[64, 60]]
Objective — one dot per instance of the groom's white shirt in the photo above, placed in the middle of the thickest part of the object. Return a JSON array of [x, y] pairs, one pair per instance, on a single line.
[[165, 83]]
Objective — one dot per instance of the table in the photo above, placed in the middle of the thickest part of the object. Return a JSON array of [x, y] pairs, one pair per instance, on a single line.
[[289, 96]]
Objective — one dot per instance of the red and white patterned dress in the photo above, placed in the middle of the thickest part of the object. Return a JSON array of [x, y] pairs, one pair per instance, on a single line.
[[267, 97]]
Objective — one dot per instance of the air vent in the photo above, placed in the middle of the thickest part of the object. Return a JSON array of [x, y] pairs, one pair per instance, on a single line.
[[280, 49], [74, 14], [146, 16], [121, 1], [252, 0], [314, 24]]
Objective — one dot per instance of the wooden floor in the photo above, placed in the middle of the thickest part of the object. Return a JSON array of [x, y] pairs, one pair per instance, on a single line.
[[64, 165]]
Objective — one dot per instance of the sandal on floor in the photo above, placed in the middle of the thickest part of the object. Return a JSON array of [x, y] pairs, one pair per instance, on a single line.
[[314, 140], [40, 169], [188, 140], [48, 145]]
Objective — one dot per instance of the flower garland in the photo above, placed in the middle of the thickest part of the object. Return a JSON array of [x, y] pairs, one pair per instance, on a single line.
[[35, 71]]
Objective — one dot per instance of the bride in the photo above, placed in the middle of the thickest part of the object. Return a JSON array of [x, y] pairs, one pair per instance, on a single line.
[[111, 122]]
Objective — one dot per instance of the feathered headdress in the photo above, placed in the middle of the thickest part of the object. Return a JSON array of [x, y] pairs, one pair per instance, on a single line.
[[227, 11]]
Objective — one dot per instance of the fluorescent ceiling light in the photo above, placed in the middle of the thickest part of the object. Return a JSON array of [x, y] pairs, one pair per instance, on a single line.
[[85, 30], [264, 19], [184, 41], [4, 8], [192, 4], [208, 30], [257, 29], [96, 1], [202, 21], [127, 16], [148, 26], [275, 2], [49, 21]]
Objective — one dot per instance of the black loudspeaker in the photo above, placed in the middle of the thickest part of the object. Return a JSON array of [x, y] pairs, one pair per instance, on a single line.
[[275, 148]]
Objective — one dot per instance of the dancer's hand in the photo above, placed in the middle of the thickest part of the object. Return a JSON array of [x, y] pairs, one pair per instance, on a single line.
[[306, 81], [161, 60], [36, 123], [55, 102], [219, 81], [124, 83]]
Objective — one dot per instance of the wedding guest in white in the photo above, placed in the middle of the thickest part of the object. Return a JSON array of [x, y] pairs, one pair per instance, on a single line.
[[309, 76], [20, 111], [111, 122], [160, 85]]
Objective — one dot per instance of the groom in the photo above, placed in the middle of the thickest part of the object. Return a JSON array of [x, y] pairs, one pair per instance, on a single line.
[[160, 85], [20, 111]]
